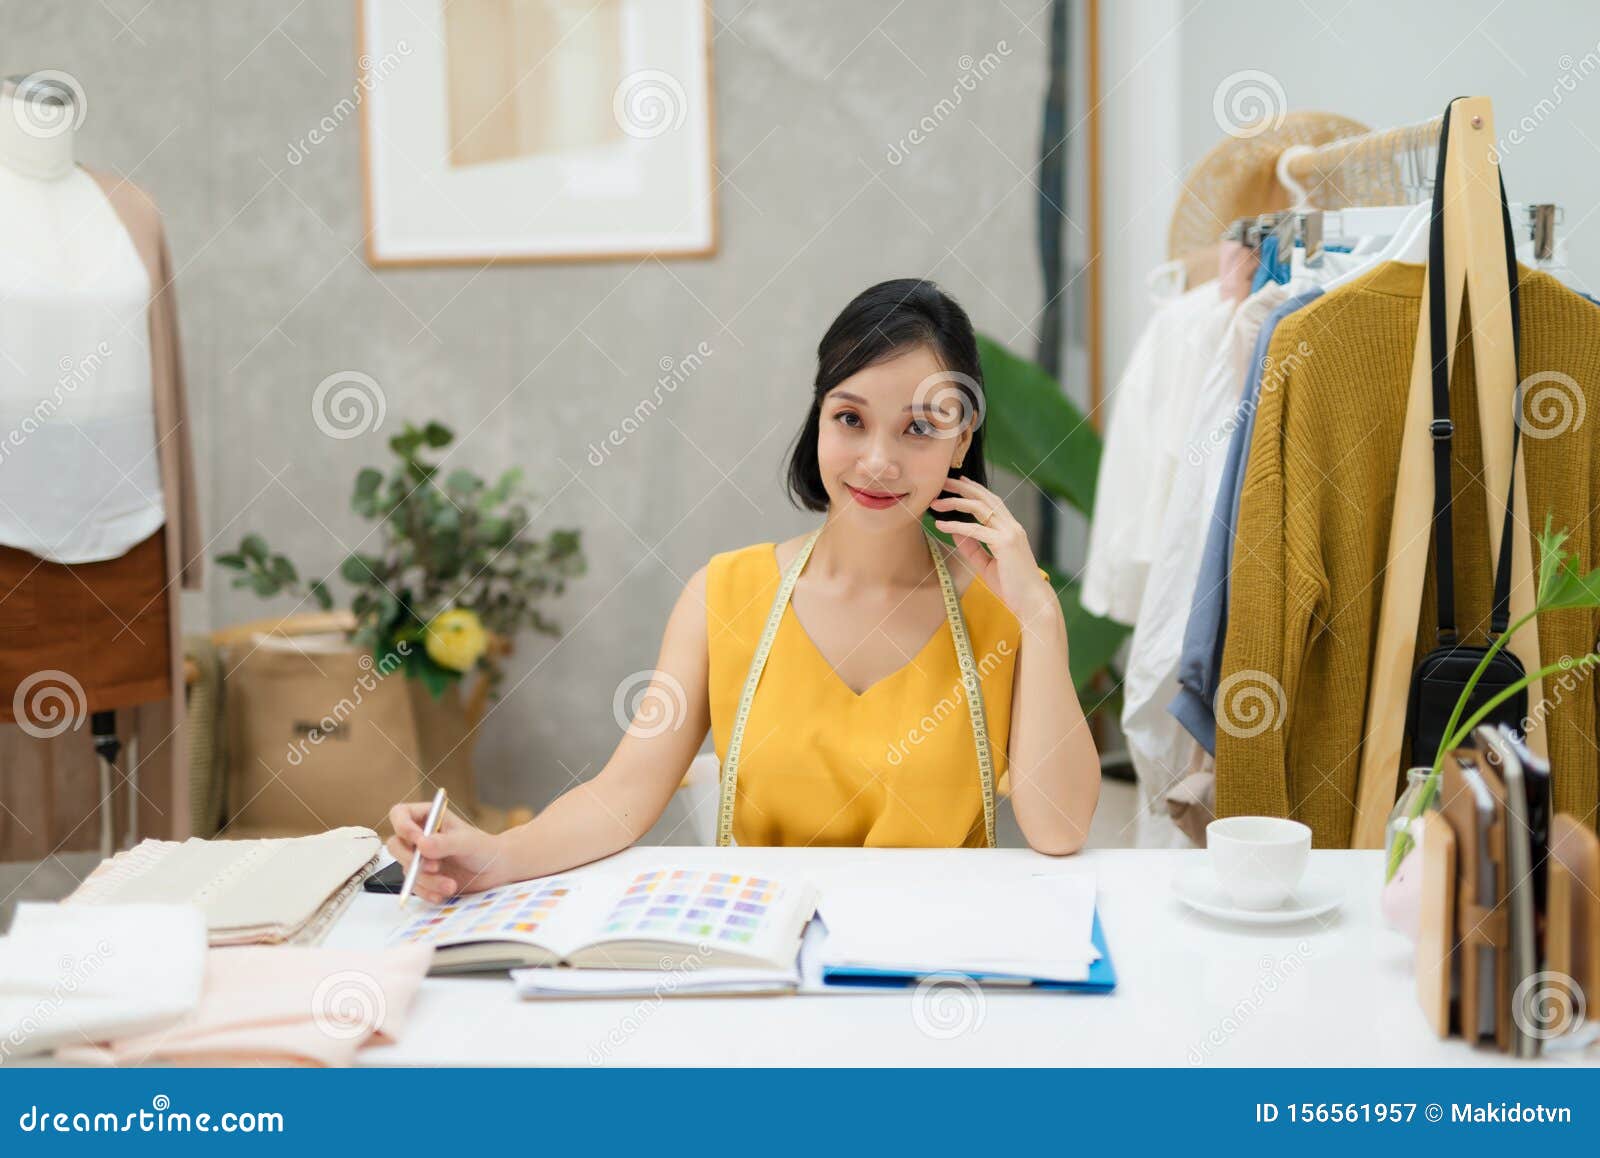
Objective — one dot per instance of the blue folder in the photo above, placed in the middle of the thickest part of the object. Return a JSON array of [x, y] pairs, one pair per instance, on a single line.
[[1102, 974]]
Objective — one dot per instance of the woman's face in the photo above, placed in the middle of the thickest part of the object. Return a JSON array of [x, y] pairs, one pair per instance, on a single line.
[[888, 436]]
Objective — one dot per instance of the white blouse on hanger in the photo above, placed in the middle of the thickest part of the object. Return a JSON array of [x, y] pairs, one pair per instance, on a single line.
[[1135, 478], [79, 477], [1158, 746], [1161, 750]]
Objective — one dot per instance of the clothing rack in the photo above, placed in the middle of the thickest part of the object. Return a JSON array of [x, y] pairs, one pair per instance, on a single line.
[[1313, 228], [1332, 185], [1375, 184]]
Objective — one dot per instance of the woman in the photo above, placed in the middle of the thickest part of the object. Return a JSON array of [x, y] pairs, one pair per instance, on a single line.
[[853, 725]]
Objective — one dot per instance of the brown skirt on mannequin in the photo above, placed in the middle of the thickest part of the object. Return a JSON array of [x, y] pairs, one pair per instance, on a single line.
[[78, 639], [97, 631]]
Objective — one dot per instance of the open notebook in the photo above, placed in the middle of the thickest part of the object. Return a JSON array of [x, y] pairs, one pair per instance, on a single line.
[[285, 890], [665, 919]]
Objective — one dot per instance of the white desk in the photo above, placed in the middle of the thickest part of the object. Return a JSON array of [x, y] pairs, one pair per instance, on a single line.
[[1191, 990]]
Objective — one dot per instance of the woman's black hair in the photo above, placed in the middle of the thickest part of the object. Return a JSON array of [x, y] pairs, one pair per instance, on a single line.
[[881, 322]]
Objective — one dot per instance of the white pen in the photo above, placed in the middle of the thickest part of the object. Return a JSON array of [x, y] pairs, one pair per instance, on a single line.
[[435, 815]]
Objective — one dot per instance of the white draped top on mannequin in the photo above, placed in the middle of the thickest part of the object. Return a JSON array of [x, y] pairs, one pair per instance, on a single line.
[[79, 474]]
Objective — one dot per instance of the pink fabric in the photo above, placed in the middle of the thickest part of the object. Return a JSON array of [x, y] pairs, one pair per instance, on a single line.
[[1236, 269], [1401, 901], [281, 1005]]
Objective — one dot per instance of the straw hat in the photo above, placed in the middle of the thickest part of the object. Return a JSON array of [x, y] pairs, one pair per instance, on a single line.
[[1238, 177]]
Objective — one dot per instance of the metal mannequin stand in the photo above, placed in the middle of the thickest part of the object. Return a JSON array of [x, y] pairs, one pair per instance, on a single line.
[[107, 747]]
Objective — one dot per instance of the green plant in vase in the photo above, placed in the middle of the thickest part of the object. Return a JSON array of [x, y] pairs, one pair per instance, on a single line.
[[1561, 587], [455, 566]]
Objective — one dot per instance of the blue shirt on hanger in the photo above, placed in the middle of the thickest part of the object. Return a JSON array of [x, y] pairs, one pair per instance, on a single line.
[[1200, 661]]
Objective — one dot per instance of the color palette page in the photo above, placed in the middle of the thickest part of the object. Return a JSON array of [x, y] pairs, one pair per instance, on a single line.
[[528, 911], [697, 906]]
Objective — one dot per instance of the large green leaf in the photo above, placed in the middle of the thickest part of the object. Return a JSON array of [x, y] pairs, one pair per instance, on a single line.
[[1561, 584], [1034, 430], [420, 666], [362, 570], [1092, 642]]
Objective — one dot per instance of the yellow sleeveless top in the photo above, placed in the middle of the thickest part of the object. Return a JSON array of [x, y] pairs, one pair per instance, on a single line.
[[894, 766]]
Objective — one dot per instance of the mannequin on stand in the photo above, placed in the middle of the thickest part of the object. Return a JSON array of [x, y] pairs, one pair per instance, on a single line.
[[94, 450], [37, 130]]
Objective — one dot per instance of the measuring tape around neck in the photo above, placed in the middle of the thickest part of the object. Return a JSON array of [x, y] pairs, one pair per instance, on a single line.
[[969, 682]]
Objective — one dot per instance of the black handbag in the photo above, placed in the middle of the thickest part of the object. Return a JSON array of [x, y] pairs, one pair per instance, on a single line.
[[1444, 671]]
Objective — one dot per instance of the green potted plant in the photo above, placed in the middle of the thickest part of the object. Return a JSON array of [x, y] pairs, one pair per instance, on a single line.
[[453, 575], [454, 571]]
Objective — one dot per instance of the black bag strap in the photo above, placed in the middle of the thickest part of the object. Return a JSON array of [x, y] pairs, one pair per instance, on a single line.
[[1443, 429]]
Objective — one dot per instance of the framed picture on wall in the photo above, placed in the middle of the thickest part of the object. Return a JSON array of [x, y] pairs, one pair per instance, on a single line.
[[536, 130]]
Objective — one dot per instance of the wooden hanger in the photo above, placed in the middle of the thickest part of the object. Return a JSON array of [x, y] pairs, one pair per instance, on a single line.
[[1475, 262]]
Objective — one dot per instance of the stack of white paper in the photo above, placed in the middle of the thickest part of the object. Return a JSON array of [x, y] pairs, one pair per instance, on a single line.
[[1039, 928]]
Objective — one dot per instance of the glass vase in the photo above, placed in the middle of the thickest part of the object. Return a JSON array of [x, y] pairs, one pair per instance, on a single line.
[[1400, 827]]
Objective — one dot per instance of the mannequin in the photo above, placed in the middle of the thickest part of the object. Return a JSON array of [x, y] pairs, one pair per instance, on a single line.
[[38, 126], [94, 452]]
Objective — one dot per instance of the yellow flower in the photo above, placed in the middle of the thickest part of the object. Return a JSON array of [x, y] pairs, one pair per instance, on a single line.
[[456, 639]]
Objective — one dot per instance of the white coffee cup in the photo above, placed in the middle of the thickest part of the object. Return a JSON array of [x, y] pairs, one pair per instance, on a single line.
[[1258, 859]]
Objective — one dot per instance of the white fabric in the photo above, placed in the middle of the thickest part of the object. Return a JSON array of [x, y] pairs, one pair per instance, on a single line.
[[83, 973], [79, 475], [1196, 447], [1159, 747], [1134, 481]]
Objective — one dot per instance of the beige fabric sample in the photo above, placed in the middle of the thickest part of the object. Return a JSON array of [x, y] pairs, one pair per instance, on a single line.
[[281, 1006]]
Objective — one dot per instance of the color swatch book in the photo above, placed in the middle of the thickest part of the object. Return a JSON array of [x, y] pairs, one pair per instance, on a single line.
[[662, 919]]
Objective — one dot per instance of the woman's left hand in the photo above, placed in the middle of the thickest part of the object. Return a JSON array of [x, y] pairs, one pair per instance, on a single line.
[[1008, 565]]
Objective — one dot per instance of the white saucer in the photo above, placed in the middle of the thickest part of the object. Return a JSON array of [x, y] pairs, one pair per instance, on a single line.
[[1310, 898]]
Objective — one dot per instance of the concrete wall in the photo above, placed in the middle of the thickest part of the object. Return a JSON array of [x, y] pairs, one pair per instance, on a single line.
[[198, 102]]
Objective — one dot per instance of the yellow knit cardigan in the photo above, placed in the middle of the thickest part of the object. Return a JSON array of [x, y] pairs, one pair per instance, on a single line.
[[1313, 536]]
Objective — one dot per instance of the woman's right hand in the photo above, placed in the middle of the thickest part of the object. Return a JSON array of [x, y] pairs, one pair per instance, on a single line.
[[459, 857]]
